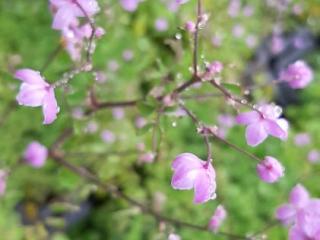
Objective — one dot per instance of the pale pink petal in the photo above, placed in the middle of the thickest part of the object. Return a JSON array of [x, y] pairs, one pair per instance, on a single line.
[[204, 188], [296, 233], [256, 134], [273, 128], [299, 196], [91, 7], [63, 18], [286, 213], [30, 76], [31, 95], [50, 107], [248, 117], [184, 180], [188, 161]]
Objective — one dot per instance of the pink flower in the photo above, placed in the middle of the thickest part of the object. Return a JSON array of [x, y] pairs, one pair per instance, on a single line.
[[181, 1], [129, 5], [118, 113], [67, 11], [190, 26], [35, 92], [108, 136], [298, 75], [302, 214], [35, 154], [270, 170], [302, 139], [213, 69], [218, 218], [314, 156], [263, 123], [127, 55], [173, 236], [277, 44], [191, 172], [161, 24], [146, 157], [299, 197], [3, 182]]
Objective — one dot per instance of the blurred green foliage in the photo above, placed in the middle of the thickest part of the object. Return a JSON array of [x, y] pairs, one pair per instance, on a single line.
[[27, 40]]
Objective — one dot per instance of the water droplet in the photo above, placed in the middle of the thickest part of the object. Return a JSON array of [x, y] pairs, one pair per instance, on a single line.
[[244, 101], [174, 124], [178, 36]]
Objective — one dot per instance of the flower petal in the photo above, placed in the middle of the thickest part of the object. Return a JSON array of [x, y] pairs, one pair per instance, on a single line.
[[248, 117], [299, 196], [255, 134], [286, 214], [204, 187], [31, 95], [274, 129], [50, 107], [63, 18], [30, 76]]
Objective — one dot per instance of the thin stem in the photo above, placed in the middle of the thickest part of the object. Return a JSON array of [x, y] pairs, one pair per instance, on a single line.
[[196, 39], [228, 95], [51, 57], [58, 157], [93, 30], [250, 155]]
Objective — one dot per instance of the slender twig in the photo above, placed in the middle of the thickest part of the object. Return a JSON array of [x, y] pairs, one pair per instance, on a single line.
[[58, 157], [196, 39], [51, 57], [93, 30]]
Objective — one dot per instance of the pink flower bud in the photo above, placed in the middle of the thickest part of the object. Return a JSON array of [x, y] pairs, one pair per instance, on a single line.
[[190, 26], [270, 170], [217, 219], [36, 154], [161, 25]]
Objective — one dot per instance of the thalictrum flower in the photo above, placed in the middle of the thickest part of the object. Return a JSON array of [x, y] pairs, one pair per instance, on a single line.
[[298, 75], [218, 218], [270, 170], [35, 154], [266, 121], [35, 92], [191, 172]]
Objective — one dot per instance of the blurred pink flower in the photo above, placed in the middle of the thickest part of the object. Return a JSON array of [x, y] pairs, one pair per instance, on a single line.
[[173, 236], [302, 139], [3, 182], [270, 170], [35, 92], [161, 24], [238, 30], [118, 113], [108, 136], [277, 44], [146, 157], [67, 11], [234, 8], [181, 1], [218, 218], [314, 156], [140, 122], [263, 123], [35, 154], [127, 55], [298, 75], [191, 172], [190, 26], [129, 5], [302, 214], [298, 199]]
